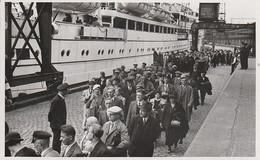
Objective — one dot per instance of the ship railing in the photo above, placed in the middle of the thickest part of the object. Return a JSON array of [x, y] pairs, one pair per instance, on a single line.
[[102, 32]]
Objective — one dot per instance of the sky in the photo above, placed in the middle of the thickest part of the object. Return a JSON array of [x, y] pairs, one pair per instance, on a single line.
[[234, 8]]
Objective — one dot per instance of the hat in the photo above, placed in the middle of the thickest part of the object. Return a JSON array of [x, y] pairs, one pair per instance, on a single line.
[[96, 86], [164, 95], [139, 86], [114, 110], [13, 136], [135, 64], [63, 87], [144, 63], [183, 76], [91, 82], [40, 135], [123, 66], [130, 79], [147, 106], [117, 71], [178, 72]]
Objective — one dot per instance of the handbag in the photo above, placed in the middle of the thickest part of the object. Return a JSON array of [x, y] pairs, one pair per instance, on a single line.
[[175, 123]]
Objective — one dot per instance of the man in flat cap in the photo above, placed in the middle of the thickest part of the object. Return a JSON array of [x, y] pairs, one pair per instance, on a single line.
[[13, 143], [177, 79], [143, 130], [41, 140], [58, 114], [115, 133]]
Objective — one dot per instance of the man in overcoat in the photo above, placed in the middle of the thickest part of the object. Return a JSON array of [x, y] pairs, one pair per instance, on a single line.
[[143, 130], [58, 114]]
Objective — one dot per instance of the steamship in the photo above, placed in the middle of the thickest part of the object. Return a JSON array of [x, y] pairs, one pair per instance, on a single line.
[[120, 34]]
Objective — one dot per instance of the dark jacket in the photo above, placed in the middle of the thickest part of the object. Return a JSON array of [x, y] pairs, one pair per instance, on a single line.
[[26, 152], [58, 113], [73, 151], [142, 136], [204, 85], [100, 150]]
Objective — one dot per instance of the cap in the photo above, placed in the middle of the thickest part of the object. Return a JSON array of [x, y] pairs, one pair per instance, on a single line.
[[40, 135], [123, 66], [130, 79], [13, 136], [146, 106], [164, 95], [183, 77], [178, 72], [117, 71], [63, 87], [144, 63], [139, 86], [114, 110], [96, 86], [135, 64]]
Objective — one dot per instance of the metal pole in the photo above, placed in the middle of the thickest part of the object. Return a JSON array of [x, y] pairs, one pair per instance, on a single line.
[[45, 35], [8, 45]]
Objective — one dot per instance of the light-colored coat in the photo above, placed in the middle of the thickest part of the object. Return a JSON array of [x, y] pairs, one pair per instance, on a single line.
[[50, 153], [185, 98]]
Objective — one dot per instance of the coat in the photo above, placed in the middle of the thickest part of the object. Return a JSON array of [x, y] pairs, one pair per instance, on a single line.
[[163, 89], [206, 86], [132, 111], [93, 107], [142, 136], [26, 152], [185, 98], [100, 150], [50, 153], [58, 113], [103, 118], [176, 82], [73, 151], [174, 133], [116, 137]]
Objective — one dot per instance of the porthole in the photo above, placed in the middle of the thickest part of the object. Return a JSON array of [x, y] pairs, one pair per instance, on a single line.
[[37, 52], [137, 49], [82, 52], [161, 48], [87, 53], [129, 50], [112, 51], [123, 50], [62, 52], [119, 51], [68, 52], [98, 52], [102, 52], [109, 51], [157, 48]]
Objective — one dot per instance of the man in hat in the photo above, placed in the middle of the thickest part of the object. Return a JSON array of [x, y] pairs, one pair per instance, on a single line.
[[87, 93], [41, 140], [134, 107], [13, 143], [185, 96], [115, 133], [177, 79], [123, 73], [115, 101], [102, 81], [103, 118], [143, 130], [58, 114], [68, 138], [166, 87], [204, 86]]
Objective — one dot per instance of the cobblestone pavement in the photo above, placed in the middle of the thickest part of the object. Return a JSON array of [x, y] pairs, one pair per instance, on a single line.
[[34, 117]]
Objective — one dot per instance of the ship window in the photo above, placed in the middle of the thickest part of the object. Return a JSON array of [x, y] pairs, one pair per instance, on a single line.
[[62, 52], [106, 19], [123, 50], [112, 51], [129, 50], [68, 52], [119, 51], [102, 52], [151, 28], [98, 52], [119, 23], [139, 26], [137, 49], [157, 29], [145, 27], [158, 48], [169, 30], [164, 29], [109, 51], [82, 52], [131, 24], [87, 52]]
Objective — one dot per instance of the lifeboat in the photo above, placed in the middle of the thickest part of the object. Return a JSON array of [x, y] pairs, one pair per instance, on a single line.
[[160, 14], [136, 8], [87, 7]]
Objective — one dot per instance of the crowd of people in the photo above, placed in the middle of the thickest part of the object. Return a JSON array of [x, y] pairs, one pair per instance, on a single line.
[[124, 115]]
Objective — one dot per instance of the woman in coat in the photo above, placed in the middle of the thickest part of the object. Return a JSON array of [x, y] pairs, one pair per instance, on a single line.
[[174, 122]]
